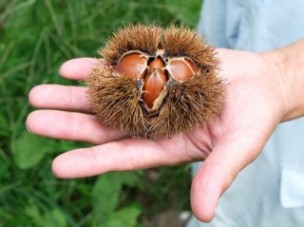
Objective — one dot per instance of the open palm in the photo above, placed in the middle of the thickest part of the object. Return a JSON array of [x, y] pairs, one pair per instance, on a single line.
[[253, 108]]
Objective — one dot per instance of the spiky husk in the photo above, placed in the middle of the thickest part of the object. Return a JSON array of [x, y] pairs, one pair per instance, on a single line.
[[114, 100], [134, 37], [117, 102], [189, 105], [185, 42]]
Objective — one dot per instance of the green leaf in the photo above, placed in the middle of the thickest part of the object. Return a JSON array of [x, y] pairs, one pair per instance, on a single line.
[[108, 186], [33, 212], [131, 178], [29, 149], [126, 217], [56, 217], [53, 218], [106, 193]]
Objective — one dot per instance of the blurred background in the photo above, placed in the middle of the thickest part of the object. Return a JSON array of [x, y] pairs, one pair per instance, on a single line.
[[36, 37]]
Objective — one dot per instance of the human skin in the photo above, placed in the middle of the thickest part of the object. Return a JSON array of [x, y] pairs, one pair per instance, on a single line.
[[262, 90]]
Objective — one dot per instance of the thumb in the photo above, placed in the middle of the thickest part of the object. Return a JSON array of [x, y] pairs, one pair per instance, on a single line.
[[217, 172]]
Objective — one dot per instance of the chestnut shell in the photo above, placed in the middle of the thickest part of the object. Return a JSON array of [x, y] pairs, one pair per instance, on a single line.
[[117, 101]]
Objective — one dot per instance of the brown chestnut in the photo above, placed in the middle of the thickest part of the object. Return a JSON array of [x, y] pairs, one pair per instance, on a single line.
[[132, 65], [154, 81], [155, 72], [181, 69]]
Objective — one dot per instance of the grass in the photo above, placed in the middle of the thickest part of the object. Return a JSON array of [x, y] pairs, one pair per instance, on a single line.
[[36, 37]]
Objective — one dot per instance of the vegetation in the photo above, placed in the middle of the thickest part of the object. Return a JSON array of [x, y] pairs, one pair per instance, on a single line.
[[36, 37]]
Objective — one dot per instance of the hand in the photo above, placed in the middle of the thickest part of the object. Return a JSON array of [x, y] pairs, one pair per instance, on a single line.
[[255, 104]]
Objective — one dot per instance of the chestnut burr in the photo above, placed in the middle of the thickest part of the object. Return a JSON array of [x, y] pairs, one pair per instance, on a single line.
[[156, 82]]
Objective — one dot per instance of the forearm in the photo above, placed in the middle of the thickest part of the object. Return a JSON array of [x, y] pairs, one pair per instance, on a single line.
[[288, 64]]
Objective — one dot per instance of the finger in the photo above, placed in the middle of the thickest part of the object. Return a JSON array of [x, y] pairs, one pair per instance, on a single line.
[[128, 154], [60, 97], [70, 126], [78, 68], [220, 169]]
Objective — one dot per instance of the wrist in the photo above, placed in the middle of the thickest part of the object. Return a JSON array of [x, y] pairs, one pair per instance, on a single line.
[[288, 68]]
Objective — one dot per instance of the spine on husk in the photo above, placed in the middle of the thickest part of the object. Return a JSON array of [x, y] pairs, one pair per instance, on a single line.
[[179, 72]]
